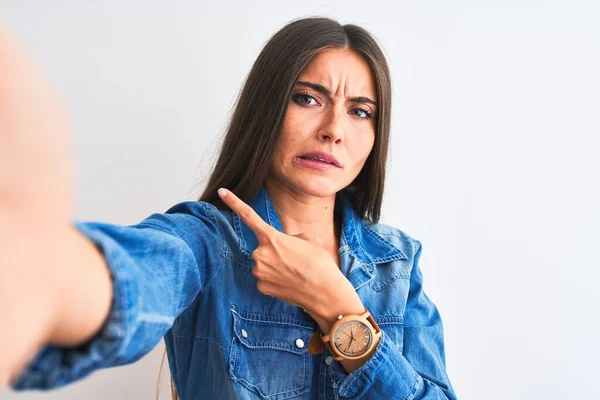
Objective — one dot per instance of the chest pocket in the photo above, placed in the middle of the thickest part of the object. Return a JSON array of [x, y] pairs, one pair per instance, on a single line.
[[269, 354]]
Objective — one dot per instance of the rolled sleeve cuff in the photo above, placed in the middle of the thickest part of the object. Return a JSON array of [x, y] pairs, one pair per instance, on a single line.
[[54, 366], [386, 373]]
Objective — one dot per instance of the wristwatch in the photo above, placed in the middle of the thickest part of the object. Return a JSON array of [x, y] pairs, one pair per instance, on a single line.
[[351, 337]]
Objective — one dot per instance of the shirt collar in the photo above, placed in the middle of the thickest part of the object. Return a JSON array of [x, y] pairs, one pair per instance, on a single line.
[[369, 247]]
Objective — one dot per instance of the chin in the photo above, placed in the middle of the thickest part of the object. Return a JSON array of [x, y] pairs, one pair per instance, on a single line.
[[308, 184], [317, 187]]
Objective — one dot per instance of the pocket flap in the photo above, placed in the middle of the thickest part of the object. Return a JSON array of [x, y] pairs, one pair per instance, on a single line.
[[259, 331]]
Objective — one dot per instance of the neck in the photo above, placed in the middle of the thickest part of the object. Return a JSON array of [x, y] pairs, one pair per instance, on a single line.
[[299, 213]]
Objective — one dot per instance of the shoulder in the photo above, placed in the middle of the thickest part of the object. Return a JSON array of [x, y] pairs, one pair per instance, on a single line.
[[187, 219], [394, 236], [198, 209]]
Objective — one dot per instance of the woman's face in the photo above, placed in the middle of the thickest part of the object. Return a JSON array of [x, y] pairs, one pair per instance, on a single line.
[[332, 110]]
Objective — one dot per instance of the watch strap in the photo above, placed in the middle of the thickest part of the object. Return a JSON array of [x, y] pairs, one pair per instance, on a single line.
[[315, 344]]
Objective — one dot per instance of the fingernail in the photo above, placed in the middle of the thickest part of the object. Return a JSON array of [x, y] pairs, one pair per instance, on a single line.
[[222, 192]]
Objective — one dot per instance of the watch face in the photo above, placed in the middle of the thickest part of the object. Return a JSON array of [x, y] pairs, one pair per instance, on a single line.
[[352, 338]]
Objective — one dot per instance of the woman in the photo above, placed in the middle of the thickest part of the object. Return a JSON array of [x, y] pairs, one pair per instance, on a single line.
[[283, 284]]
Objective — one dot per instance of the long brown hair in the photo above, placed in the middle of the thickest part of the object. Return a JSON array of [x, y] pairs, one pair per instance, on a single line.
[[254, 128]]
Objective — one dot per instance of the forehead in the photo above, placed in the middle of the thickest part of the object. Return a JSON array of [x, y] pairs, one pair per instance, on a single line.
[[343, 71]]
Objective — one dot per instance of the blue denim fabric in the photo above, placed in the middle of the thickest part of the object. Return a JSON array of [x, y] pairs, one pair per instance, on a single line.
[[185, 275]]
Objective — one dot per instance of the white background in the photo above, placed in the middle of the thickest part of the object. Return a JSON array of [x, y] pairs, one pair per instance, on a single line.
[[494, 162]]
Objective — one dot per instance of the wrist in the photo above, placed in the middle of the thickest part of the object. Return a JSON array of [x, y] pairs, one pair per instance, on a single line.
[[353, 340], [326, 314]]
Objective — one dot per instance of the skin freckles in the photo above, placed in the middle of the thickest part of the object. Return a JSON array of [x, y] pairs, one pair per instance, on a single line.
[[330, 110]]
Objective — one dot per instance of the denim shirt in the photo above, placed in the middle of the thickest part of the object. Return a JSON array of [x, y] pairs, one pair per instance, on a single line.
[[186, 276]]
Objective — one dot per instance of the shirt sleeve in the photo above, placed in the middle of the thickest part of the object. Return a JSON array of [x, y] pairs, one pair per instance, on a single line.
[[157, 271], [417, 372]]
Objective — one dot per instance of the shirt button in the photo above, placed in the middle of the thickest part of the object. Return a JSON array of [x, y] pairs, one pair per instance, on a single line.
[[328, 360], [299, 343], [244, 333]]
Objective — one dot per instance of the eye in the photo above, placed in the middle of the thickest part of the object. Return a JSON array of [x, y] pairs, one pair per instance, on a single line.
[[361, 113], [305, 99]]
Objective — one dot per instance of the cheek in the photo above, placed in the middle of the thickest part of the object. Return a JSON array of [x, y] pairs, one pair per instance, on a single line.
[[293, 131], [300, 122], [362, 146], [289, 139], [287, 143]]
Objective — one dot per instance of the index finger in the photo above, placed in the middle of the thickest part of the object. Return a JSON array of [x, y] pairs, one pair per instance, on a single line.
[[246, 213]]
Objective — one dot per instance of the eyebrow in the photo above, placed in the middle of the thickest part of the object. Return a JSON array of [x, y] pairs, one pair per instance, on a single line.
[[324, 90]]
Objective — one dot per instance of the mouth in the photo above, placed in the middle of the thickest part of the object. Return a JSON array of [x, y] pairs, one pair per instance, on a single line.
[[321, 158], [311, 162]]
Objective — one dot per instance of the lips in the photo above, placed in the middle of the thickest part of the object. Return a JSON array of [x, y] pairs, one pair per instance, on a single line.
[[321, 156]]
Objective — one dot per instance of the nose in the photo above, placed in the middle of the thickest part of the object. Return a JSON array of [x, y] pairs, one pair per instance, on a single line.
[[332, 128]]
